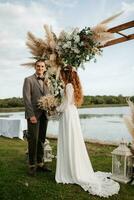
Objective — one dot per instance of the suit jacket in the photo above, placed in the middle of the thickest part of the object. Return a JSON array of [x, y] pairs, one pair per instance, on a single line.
[[32, 92]]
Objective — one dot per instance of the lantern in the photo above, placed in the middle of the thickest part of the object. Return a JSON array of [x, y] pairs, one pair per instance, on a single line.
[[122, 164], [47, 152]]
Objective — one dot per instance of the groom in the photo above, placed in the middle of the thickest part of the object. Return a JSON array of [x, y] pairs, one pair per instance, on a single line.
[[34, 87]]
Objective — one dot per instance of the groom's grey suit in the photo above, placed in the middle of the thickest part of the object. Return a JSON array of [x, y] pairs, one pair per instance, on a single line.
[[32, 91]]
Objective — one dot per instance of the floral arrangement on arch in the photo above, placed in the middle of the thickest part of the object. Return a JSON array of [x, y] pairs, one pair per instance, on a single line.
[[69, 48], [77, 47], [72, 48]]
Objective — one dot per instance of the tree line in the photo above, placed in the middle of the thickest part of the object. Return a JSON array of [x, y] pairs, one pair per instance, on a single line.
[[88, 101], [11, 102], [97, 100]]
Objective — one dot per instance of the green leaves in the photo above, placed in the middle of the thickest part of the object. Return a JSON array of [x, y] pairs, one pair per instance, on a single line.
[[78, 47]]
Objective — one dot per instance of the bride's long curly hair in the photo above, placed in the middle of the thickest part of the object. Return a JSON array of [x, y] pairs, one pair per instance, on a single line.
[[70, 76]]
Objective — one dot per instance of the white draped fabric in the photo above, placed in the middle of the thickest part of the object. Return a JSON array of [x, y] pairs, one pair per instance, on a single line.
[[73, 163], [10, 127]]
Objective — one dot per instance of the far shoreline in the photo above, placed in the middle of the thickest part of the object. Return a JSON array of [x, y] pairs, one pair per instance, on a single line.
[[21, 109]]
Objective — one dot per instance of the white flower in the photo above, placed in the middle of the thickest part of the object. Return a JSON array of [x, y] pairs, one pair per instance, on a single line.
[[56, 92], [69, 44], [77, 38], [77, 51], [68, 36], [81, 43], [65, 46]]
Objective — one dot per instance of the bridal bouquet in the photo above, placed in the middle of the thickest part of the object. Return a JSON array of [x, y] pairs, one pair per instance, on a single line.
[[48, 103]]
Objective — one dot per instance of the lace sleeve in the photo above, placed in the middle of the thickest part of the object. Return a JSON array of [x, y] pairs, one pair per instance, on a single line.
[[70, 93], [68, 99]]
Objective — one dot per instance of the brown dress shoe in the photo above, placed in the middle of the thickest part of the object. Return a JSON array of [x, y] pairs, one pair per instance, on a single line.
[[32, 171]]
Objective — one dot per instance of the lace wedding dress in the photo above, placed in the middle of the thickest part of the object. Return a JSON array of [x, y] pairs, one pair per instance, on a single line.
[[73, 163]]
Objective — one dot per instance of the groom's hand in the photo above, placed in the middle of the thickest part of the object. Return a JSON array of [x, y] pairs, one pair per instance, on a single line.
[[33, 120]]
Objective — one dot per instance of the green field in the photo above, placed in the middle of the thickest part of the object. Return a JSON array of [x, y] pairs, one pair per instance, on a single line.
[[15, 184]]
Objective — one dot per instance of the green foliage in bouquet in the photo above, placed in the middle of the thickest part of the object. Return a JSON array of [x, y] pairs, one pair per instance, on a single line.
[[56, 86], [77, 47]]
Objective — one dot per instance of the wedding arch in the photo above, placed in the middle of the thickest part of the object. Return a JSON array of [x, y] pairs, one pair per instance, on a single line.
[[72, 48]]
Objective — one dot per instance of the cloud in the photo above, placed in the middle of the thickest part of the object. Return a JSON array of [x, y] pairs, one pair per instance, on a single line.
[[128, 7], [64, 3], [15, 20]]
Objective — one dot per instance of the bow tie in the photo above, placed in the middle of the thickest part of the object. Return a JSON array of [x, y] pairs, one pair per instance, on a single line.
[[41, 78]]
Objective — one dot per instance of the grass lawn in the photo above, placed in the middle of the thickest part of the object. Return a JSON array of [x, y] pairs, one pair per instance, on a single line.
[[15, 184]]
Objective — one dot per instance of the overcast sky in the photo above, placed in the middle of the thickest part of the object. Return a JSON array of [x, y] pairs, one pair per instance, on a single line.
[[113, 74]]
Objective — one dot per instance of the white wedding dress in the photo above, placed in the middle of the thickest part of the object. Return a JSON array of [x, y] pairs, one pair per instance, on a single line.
[[73, 163]]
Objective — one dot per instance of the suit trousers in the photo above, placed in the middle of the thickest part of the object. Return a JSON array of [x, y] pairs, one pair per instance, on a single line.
[[36, 139]]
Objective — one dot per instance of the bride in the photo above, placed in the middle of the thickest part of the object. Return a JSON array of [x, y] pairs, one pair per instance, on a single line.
[[73, 163]]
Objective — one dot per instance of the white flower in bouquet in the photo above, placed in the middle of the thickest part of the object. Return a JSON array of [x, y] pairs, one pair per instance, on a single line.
[[81, 43], [68, 36], [69, 44], [56, 93], [77, 38], [96, 51], [65, 46], [76, 50]]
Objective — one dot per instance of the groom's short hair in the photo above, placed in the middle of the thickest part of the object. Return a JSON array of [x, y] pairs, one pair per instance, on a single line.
[[39, 60]]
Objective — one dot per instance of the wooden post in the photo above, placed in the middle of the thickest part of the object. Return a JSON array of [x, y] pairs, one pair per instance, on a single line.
[[117, 30]]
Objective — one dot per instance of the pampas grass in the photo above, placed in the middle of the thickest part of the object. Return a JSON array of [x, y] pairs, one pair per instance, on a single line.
[[101, 34], [47, 48]]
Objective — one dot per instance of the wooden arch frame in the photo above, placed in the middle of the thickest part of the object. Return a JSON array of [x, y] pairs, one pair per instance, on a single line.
[[117, 30]]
